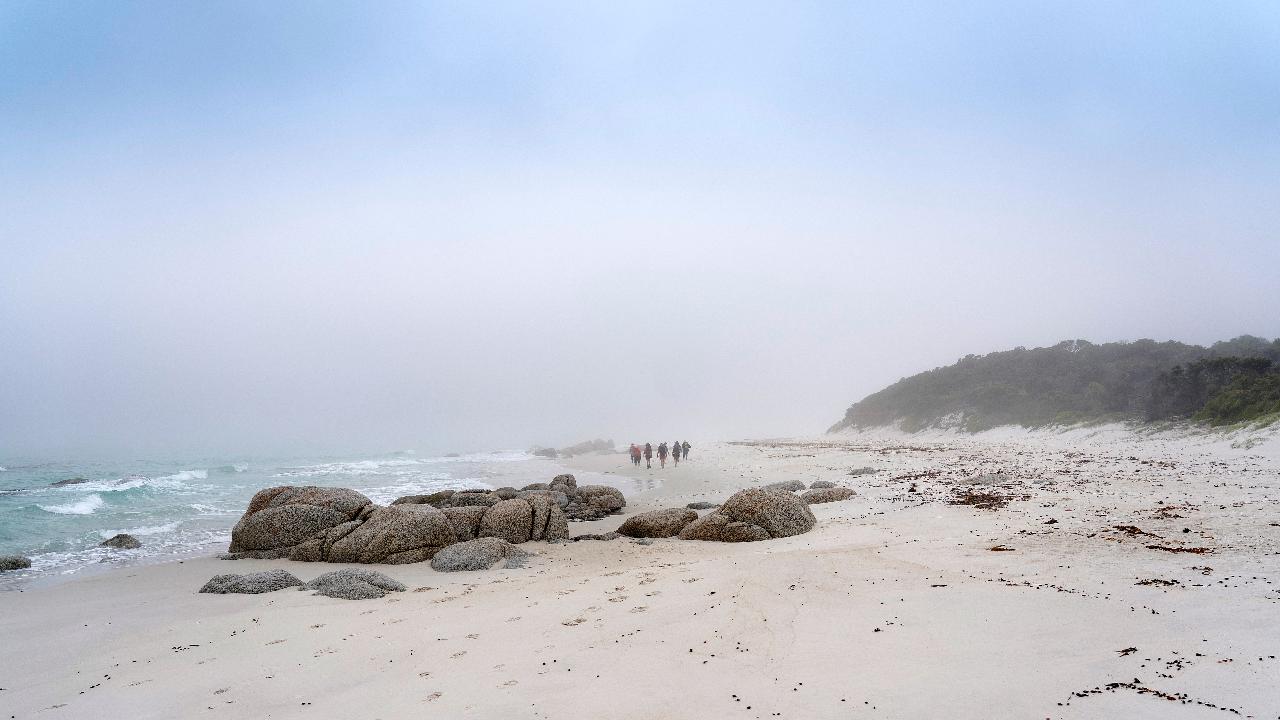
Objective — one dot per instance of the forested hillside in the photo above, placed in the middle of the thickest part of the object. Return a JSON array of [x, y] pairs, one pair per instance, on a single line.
[[1078, 381]]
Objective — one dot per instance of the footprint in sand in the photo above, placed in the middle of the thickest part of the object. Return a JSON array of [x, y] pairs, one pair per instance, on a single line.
[[573, 622], [620, 598], [433, 696], [639, 609], [510, 683], [458, 654]]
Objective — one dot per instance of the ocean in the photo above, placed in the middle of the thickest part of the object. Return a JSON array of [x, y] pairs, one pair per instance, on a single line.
[[57, 513]]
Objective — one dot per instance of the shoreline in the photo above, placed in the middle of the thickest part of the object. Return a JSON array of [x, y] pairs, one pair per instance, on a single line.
[[895, 605]]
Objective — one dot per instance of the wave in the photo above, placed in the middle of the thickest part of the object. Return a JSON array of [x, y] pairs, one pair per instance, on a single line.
[[144, 530], [175, 481], [229, 469], [86, 506], [185, 475]]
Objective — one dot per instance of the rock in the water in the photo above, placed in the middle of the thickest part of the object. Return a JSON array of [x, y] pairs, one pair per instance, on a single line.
[[69, 481], [785, 486], [123, 541], [395, 535], [511, 520], [819, 484], [657, 523], [702, 505], [13, 562], [465, 520], [354, 584], [251, 583], [753, 514], [479, 554], [826, 495], [281, 517]]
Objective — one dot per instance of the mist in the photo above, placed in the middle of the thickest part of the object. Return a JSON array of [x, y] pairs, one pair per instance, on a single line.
[[230, 228]]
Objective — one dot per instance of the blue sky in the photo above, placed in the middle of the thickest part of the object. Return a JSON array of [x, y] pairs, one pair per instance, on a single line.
[[212, 211]]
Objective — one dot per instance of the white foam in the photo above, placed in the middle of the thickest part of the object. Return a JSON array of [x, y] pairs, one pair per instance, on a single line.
[[144, 530], [186, 475], [86, 506]]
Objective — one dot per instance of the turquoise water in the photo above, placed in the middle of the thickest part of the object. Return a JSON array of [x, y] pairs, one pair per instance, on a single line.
[[178, 508]]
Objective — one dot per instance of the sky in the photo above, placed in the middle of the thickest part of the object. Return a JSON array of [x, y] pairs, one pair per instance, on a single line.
[[300, 227]]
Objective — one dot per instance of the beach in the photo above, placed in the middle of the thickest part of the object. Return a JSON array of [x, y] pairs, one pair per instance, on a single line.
[[1084, 574]]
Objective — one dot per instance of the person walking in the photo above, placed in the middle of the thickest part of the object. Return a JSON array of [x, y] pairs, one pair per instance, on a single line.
[[675, 452], [635, 454], [662, 454], [648, 455], [685, 449]]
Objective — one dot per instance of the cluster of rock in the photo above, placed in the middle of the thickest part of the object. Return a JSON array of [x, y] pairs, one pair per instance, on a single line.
[[346, 584], [315, 524], [821, 491]]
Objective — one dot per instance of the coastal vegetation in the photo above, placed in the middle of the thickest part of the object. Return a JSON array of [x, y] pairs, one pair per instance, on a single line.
[[1077, 381]]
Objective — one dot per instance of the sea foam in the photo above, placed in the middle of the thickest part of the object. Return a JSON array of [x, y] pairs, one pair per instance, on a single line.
[[86, 506]]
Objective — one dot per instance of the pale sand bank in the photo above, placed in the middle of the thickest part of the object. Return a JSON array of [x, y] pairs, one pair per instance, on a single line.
[[893, 607]]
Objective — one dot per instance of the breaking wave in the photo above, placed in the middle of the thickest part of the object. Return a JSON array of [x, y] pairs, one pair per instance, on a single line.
[[86, 506]]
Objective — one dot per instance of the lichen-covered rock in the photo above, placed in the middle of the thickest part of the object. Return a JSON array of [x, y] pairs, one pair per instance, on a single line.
[[13, 562], [753, 514], [657, 523], [281, 517], [820, 484], [465, 520], [506, 493], [592, 502], [566, 481], [536, 486], [560, 499], [354, 584], [395, 534], [479, 554], [251, 583], [720, 528], [826, 495], [473, 498], [122, 541], [511, 520], [435, 499], [785, 486], [702, 505]]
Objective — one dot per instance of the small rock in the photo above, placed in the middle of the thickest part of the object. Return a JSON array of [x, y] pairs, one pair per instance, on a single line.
[[785, 486], [479, 554], [819, 484], [702, 505], [354, 584], [826, 495], [13, 562], [657, 523], [123, 541], [251, 583]]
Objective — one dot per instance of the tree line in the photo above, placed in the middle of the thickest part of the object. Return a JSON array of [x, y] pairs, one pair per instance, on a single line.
[[1077, 381]]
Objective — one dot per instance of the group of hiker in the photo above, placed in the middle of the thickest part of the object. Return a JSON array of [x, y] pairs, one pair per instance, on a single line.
[[676, 450]]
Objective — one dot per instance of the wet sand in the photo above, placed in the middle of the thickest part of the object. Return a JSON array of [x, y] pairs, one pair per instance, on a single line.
[[1135, 577]]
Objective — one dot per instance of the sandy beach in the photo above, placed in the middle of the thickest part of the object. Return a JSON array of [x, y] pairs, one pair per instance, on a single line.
[[1100, 574]]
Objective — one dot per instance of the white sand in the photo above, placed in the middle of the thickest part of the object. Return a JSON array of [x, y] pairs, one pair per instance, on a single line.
[[893, 607]]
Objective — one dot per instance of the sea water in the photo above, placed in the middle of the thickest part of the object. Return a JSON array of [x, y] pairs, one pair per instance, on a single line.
[[57, 513]]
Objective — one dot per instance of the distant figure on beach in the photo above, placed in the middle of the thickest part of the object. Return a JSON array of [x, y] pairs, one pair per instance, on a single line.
[[675, 452], [685, 448], [662, 454], [635, 454], [648, 455]]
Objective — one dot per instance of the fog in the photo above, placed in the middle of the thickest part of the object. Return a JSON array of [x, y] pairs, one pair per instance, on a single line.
[[303, 227]]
